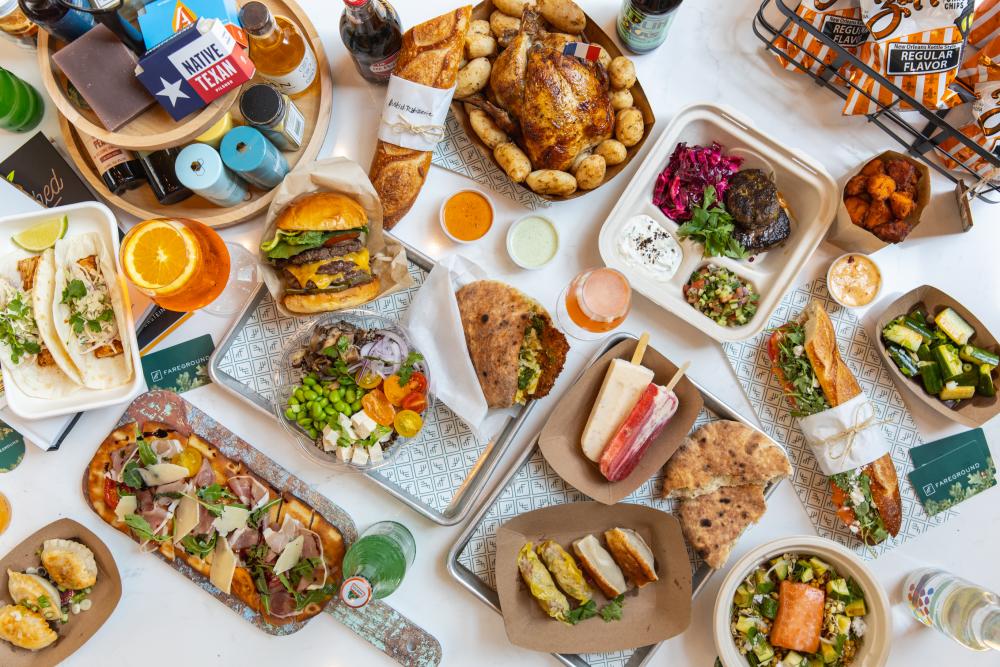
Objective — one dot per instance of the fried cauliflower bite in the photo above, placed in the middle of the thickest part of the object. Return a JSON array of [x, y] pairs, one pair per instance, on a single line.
[[892, 232], [902, 171], [901, 204], [857, 208], [856, 185], [880, 187], [874, 168], [878, 213]]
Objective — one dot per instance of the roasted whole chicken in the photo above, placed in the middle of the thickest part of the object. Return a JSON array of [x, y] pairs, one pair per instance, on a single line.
[[557, 105]]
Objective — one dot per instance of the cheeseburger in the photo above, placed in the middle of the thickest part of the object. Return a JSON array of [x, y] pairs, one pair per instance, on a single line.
[[320, 250]]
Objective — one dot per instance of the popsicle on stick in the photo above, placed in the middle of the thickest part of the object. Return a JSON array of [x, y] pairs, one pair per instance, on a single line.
[[656, 405], [623, 384]]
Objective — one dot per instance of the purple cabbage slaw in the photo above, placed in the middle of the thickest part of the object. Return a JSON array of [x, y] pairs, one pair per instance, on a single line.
[[681, 185]]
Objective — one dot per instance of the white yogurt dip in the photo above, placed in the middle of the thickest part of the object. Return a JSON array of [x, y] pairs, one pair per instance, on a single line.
[[644, 245]]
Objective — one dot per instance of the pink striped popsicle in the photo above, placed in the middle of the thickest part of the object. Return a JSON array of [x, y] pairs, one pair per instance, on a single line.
[[655, 407]]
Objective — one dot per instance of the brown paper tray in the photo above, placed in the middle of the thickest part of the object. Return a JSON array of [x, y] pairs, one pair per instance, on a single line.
[[81, 627], [972, 413], [651, 614], [593, 33], [560, 437]]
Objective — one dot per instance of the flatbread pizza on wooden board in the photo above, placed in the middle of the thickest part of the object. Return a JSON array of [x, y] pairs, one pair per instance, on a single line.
[[100, 495]]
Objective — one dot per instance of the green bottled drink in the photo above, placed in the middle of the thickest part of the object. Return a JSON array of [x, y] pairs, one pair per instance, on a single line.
[[375, 565], [21, 107]]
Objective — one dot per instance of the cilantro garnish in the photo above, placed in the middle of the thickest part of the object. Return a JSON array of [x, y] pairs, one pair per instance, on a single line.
[[712, 227]]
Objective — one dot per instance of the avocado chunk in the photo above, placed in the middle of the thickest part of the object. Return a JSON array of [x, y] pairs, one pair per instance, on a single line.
[[838, 587], [829, 653], [818, 566], [855, 607]]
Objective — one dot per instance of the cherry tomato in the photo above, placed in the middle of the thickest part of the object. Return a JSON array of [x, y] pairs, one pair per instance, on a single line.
[[111, 497], [377, 406], [417, 383], [396, 392], [408, 423], [417, 402], [368, 380], [190, 458]]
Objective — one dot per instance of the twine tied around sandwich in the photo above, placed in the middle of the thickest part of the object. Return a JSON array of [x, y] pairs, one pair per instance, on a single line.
[[404, 126], [850, 434]]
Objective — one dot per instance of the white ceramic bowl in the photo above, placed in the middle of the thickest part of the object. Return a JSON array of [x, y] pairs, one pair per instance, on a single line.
[[510, 234], [444, 227], [875, 644], [881, 279]]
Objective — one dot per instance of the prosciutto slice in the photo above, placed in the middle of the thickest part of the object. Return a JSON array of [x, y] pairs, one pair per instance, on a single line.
[[282, 603], [119, 458], [250, 491], [243, 538], [279, 539], [180, 486], [205, 519], [205, 476]]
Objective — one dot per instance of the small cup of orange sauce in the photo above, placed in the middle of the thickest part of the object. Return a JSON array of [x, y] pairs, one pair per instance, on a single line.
[[466, 216]]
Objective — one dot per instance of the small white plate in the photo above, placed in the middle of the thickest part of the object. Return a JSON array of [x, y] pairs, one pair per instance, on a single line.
[[83, 218]]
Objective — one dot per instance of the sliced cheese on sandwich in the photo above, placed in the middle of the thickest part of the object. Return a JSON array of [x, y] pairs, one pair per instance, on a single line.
[[231, 519], [185, 518], [223, 566], [163, 473], [126, 505], [306, 272], [290, 555]]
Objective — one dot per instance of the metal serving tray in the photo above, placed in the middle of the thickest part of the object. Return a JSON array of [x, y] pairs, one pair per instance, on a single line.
[[440, 474], [532, 484]]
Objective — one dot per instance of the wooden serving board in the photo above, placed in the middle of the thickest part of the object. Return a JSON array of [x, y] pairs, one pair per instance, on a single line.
[[593, 34], [377, 623], [315, 108]]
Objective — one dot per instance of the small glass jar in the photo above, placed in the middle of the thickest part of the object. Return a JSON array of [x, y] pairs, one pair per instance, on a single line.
[[274, 114], [15, 25]]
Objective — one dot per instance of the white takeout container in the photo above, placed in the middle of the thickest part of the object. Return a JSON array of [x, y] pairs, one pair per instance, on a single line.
[[875, 644], [83, 218], [810, 192], [444, 227]]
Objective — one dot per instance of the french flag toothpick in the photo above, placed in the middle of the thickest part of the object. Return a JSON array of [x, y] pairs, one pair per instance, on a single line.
[[582, 50]]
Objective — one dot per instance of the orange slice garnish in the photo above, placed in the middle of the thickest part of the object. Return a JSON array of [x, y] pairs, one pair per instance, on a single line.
[[161, 256]]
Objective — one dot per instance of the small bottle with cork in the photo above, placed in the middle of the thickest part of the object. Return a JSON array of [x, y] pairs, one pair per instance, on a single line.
[[279, 50], [17, 26]]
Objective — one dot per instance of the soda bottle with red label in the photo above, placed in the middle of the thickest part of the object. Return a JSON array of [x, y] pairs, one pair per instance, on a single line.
[[372, 34], [375, 565]]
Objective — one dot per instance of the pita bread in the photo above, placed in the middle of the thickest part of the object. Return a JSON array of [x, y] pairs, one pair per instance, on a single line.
[[723, 453], [494, 319], [713, 522]]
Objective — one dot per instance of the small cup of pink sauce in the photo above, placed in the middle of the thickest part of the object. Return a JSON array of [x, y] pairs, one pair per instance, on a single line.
[[854, 280]]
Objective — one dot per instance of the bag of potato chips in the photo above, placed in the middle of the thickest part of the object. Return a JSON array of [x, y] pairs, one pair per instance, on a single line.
[[979, 74], [985, 23], [840, 20], [917, 46]]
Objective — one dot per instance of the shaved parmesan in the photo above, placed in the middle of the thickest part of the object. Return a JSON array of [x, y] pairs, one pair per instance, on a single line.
[[290, 555], [185, 518], [126, 505], [223, 566], [231, 519], [163, 473]]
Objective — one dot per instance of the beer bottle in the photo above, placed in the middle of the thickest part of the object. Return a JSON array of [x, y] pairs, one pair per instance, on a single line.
[[643, 24], [373, 36]]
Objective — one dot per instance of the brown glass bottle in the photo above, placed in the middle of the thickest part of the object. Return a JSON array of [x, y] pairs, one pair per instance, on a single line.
[[159, 168], [279, 50], [373, 35]]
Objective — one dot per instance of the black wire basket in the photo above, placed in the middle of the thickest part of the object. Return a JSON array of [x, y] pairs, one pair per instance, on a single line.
[[921, 131]]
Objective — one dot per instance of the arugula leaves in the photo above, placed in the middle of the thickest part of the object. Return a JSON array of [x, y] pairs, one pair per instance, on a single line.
[[212, 496], [258, 514], [146, 453], [612, 611], [141, 527], [712, 227], [288, 244], [799, 374], [131, 476], [200, 546], [407, 369]]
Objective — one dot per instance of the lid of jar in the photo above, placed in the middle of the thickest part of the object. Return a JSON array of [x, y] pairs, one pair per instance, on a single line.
[[356, 592], [256, 18], [7, 6], [261, 104], [355, 3]]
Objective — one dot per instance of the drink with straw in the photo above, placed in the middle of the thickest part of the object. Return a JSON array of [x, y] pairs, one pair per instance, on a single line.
[[596, 301], [375, 565]]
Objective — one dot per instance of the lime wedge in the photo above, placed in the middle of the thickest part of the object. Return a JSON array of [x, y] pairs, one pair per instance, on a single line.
[[43, 236]]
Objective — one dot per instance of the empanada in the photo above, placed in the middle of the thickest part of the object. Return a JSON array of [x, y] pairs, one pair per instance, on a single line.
[[69, 563]]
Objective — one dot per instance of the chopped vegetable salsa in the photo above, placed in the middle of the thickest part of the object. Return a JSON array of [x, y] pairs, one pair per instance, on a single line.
[[722, 295]]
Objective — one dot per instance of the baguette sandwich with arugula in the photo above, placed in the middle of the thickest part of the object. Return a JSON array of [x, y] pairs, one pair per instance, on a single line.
[[805, 359], [182, 497]]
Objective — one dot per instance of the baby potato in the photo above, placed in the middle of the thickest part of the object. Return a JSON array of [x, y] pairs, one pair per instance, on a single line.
[[485, 128], [564, 15], [472, 78], [551, 182], [621, 99], [629, 126], [513, 7], [590, 172], [621, 71], [479, 27], [504, 27], [513, 160], [613, 152], [478, 45], [604, 58]]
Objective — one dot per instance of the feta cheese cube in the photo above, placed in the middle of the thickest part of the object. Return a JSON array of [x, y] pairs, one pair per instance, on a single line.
[[363, 424], [360, 456], [344, 453], [345, 426], [375, 452], [329, 439]]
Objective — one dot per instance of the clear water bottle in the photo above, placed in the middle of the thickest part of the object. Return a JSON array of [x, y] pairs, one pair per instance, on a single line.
[[375, 565], [960, 609]]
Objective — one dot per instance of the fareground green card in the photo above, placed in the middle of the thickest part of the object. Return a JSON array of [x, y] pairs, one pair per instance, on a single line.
[[11, 448], [180, 367], [924, 454], [964, 470]]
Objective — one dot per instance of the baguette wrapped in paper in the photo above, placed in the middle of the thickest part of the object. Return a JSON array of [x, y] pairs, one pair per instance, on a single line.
[[839, 423]]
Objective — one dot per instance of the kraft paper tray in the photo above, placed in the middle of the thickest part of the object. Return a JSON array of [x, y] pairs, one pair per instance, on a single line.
[[441, 474]]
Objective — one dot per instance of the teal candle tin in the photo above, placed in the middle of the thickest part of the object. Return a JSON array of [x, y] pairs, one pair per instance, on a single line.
[[199, 167], [251, 155]]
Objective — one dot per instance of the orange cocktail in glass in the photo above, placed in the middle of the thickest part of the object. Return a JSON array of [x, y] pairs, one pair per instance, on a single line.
[[596, 301]]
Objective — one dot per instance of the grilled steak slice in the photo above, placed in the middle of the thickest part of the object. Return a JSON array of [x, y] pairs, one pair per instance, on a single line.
[[759, 238], [752, 199]]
